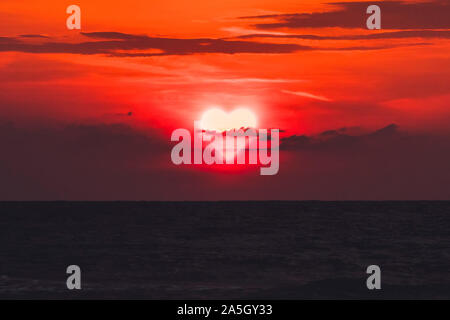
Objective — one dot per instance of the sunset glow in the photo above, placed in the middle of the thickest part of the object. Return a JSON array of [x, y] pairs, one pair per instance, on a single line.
[[110, 93], [218, 120]]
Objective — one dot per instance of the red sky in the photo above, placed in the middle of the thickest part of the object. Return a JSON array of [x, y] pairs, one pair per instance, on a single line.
[[302, 66]]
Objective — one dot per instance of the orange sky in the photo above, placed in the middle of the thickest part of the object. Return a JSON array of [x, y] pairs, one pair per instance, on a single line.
[[404, 81]]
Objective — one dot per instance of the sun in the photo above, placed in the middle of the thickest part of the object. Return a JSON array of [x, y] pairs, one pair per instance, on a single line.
[[216, 119]]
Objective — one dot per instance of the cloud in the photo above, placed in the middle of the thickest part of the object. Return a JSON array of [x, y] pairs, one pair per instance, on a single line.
[[340, 139], [33, 36], [424, 34], [4, 41], [127, 45], [395, 15], [251, 80], [306, 95], [117, 139], [77, 160], [386, 164], [118, 162], [243, 31], [113, 35]]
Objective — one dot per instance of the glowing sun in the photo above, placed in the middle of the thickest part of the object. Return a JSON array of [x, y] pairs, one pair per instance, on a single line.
[[218, 120]]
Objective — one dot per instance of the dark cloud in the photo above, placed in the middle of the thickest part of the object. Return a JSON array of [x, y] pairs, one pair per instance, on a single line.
[[114, 35], [33, 36], [127, 45], [332, 139], [114, 141], [77, 161], [378, 47], [395, 15], [5, 41], [424, 34], [117, 162], [387, 164], [119, 44]]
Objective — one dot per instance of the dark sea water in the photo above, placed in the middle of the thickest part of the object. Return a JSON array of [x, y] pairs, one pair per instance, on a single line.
[[225, 250]]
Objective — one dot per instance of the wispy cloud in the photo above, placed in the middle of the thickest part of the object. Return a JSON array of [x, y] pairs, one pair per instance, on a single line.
[[255, 80], [34, 36], [306, 95], [243, 31]]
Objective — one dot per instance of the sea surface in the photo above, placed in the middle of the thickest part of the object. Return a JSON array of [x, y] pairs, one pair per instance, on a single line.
[[225, 250]]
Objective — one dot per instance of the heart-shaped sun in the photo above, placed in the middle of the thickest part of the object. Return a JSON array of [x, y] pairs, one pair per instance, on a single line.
[[220, 121]]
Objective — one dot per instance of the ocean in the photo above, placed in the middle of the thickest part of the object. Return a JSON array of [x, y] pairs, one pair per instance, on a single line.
[[225, 250]]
